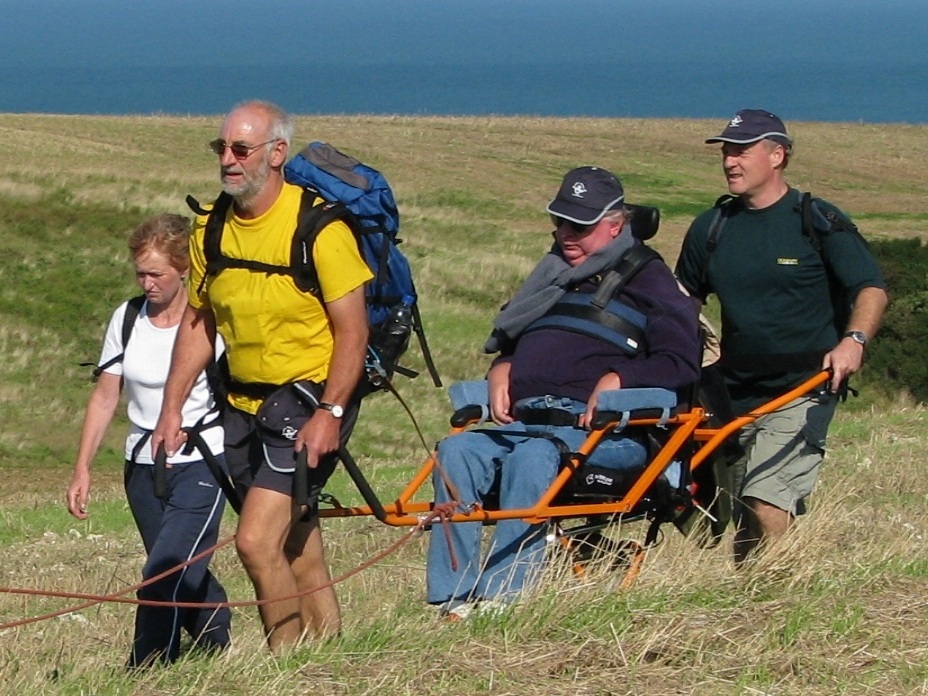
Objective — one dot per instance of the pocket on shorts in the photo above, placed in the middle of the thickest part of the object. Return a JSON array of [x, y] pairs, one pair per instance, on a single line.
[[818, 417]]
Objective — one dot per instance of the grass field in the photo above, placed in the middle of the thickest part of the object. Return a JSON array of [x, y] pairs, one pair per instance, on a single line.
[[840, 609]]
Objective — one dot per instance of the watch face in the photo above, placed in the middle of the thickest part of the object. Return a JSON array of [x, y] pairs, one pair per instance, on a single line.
[[336, 410], [857, 336]]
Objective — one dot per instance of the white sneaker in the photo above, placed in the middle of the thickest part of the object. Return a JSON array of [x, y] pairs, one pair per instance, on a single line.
[[459, 613], [486, 607], [491, 607]]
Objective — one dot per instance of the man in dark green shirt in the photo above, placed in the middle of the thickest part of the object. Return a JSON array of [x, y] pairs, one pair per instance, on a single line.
[[780, 322]]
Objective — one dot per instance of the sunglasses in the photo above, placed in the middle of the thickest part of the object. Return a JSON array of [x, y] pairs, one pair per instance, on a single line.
[[240, 151], [575, 227]]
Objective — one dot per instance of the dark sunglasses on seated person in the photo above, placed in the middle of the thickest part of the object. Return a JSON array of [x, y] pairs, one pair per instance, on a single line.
[[575, 227]]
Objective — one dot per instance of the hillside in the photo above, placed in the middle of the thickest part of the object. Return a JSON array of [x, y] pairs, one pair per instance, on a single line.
[[841, 611]]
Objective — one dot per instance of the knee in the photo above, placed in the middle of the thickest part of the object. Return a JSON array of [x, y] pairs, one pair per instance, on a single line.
[[451, 450], [253, 549], [452, 461]]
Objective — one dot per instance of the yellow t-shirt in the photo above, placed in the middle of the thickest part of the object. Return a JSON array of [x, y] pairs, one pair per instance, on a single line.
[[274, 332]]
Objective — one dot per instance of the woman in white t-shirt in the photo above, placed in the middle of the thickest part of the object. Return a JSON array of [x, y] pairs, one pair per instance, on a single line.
[[186, 521]]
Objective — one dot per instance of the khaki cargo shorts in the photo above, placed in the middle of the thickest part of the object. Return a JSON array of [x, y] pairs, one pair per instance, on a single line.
[[784, 452]]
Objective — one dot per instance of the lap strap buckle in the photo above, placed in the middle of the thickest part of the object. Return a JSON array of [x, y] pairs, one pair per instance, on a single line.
[[546, 416]]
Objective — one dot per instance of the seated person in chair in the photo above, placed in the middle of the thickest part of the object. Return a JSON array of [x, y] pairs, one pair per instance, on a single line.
[[553, 362]]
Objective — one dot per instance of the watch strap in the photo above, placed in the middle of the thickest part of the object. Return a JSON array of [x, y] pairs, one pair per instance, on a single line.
[[336, 410], [857, 336]]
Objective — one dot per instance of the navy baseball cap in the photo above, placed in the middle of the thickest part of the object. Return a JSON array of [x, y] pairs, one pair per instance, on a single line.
[[586, 195], [750, 125]]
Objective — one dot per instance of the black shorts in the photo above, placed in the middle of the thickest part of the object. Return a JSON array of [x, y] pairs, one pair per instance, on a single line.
[[249, 465]]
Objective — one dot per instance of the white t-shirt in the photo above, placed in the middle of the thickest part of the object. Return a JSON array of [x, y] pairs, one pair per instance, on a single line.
[[144, 371]]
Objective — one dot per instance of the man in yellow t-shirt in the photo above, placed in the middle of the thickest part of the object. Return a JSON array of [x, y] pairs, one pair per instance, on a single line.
[[275, 335]]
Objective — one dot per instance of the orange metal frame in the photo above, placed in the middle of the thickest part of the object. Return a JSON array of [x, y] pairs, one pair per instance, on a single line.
[[685, 428]]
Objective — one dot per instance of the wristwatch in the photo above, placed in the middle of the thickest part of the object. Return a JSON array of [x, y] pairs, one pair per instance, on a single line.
[[336, 410], [857, 336]]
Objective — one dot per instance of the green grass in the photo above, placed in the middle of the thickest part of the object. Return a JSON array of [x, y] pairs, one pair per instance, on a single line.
[[838, 610]]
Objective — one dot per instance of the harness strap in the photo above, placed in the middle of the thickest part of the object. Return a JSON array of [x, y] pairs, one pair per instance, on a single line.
[[626, 334], [631, 262], [253, 390], [215, 468], [194, 440], [146, 436], [546, 416], [133, 309]]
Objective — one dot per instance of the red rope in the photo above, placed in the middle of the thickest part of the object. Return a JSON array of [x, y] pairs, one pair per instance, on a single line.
[[119, 598], [443, 513]]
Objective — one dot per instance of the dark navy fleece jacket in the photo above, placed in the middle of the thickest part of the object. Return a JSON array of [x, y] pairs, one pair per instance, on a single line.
[[563, 363]]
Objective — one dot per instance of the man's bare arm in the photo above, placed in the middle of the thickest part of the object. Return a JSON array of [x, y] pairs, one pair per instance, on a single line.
[[349, 327], [846, 358], [193, 351]]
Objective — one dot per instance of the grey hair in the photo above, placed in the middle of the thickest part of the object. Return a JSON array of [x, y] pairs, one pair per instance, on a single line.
[[613, 215], [281, 126], [787, 149]]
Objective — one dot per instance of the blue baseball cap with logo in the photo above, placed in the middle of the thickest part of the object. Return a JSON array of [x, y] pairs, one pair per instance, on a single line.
[[750, 125], [586, 195]]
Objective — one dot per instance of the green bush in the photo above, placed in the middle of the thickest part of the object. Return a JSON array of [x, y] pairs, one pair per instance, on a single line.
[[896, 360]]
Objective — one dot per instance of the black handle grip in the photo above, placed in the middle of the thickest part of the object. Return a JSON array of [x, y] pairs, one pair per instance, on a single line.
[[160, 473], [300, 479]]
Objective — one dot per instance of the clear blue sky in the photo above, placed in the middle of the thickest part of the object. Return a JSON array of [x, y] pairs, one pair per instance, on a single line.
[[267, 32]]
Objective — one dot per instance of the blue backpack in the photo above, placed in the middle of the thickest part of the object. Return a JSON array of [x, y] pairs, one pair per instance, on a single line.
[[360, 196]]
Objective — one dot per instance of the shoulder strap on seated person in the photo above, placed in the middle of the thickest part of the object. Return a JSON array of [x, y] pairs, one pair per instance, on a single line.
[[602, 314], [632, 261]]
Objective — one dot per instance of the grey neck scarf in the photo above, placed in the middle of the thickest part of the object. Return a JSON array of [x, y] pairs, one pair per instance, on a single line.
[[546, 284]]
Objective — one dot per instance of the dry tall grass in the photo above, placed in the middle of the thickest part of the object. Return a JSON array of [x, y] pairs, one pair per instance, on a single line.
[[838, 609]]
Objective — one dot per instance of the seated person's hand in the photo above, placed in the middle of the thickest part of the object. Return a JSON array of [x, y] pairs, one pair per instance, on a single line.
[[498, 385], [607, 382]]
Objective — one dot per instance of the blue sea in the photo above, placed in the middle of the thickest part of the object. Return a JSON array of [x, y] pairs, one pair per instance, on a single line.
[[855, 60]]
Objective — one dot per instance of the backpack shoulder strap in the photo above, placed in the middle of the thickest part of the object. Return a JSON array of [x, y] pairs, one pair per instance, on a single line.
[[807, 212], [313, 218], [133, 308], [212, 235], [195, 206], [819, 221], [632, 261], [724, 207]]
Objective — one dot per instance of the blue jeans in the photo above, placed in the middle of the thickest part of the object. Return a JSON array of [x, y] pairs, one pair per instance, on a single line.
[[526, 466], [174, 529]]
